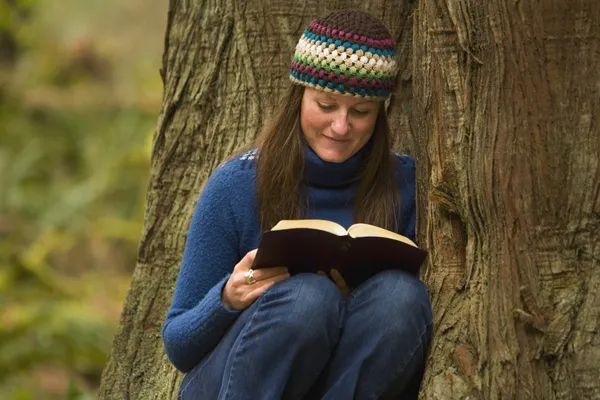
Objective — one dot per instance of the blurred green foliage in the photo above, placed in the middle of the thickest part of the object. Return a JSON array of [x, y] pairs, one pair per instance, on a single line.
[[74, 161]]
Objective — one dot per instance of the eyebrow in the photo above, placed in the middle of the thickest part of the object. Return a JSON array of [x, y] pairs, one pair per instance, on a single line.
[[332, 98]]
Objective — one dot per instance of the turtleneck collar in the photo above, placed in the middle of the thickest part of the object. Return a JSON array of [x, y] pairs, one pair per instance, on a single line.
[[329, 174]]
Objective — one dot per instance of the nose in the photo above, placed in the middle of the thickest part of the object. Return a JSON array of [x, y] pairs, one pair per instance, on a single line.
[[340, 125]]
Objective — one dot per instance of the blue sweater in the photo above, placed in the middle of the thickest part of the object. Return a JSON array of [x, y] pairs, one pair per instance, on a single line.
[[225, 226]]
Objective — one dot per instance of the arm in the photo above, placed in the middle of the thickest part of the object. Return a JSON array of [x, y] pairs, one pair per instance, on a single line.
[[197, 319]]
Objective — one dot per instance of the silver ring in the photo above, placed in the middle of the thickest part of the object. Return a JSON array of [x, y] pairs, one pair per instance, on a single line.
[[249, 275]]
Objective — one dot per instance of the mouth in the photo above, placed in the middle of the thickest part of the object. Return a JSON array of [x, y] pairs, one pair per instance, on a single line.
[[336, 140]]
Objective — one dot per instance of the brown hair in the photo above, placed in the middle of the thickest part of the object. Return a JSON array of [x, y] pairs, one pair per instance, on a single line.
[[280, 170]]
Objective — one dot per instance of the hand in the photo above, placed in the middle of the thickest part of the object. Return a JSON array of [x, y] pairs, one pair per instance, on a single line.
[[238, 294], [339, 282]]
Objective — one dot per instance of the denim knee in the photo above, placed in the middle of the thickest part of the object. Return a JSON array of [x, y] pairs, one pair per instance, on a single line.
[[391, 294], [308, 306]]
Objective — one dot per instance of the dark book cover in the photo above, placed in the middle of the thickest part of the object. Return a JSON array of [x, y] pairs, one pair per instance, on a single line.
[[357, 259]]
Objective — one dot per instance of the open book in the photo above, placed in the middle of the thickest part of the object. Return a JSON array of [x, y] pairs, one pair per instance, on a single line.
[[357, 253]]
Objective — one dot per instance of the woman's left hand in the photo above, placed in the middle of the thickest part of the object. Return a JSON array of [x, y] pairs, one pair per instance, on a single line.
[[339, 282]]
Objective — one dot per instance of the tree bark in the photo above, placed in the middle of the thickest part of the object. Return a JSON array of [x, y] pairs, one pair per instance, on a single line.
[[499, 102], [225, 64], [506, 112]]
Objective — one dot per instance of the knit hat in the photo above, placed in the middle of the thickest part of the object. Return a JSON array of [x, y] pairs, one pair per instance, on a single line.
[[349, 52]]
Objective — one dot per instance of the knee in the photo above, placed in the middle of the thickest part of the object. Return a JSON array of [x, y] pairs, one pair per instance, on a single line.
[[400, 289], [312, 306], [396, 298]]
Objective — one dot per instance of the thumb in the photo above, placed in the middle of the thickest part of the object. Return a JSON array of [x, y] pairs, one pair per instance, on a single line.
[[246, 262], [252, 254]]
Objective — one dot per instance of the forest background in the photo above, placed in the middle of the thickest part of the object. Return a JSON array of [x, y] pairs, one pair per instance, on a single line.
[[80, 93]]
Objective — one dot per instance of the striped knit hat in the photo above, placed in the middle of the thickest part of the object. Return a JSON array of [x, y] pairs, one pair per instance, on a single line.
[[349, 52]]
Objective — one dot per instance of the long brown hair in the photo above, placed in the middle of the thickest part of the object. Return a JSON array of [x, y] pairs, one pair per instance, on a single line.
[[280, 170]]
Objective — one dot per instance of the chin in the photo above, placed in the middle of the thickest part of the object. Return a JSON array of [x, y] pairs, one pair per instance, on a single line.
[[333, 156]]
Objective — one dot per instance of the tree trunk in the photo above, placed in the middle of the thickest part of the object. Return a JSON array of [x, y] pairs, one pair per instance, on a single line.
[[225, 63], [506, 112], [504, 122]]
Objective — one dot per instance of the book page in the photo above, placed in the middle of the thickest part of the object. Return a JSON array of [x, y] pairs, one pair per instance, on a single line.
[[318, 224], [366, 230]]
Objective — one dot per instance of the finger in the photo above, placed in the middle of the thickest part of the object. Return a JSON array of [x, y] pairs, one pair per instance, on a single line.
[[260, 288], [335, 274], [240, 282], [322, 273], [251, 296], [339, 281], [266, 273]]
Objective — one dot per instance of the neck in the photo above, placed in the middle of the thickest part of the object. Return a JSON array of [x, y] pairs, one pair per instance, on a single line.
[[318, 172]]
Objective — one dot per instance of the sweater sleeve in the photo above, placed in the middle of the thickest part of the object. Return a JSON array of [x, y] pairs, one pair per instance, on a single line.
[[197, 318]]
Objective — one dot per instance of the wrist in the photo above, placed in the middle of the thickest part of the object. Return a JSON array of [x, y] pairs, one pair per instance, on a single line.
[[224, 301]]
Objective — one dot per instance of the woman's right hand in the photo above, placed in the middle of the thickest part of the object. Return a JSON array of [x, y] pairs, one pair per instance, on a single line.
[[238, 294]]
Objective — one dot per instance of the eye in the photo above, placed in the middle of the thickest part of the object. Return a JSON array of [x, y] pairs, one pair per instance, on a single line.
[[325, 106], [360, 112]]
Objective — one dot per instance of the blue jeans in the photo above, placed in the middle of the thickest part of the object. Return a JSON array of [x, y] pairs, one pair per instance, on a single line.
[[300, 340]]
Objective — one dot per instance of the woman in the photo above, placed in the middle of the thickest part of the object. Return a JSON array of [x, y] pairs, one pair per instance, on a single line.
[[244, 334]]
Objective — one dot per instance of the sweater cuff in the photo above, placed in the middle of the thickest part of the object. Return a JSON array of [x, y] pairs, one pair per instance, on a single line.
[[215, 296]]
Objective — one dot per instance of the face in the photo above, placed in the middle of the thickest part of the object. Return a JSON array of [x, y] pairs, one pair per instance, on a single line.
[[336, 126]]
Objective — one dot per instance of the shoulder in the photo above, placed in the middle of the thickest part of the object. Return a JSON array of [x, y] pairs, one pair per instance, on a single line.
[[404, 166], [228, 190], [239, 166], [405, 172], [245, 161], [232, 179], [404, 160]]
